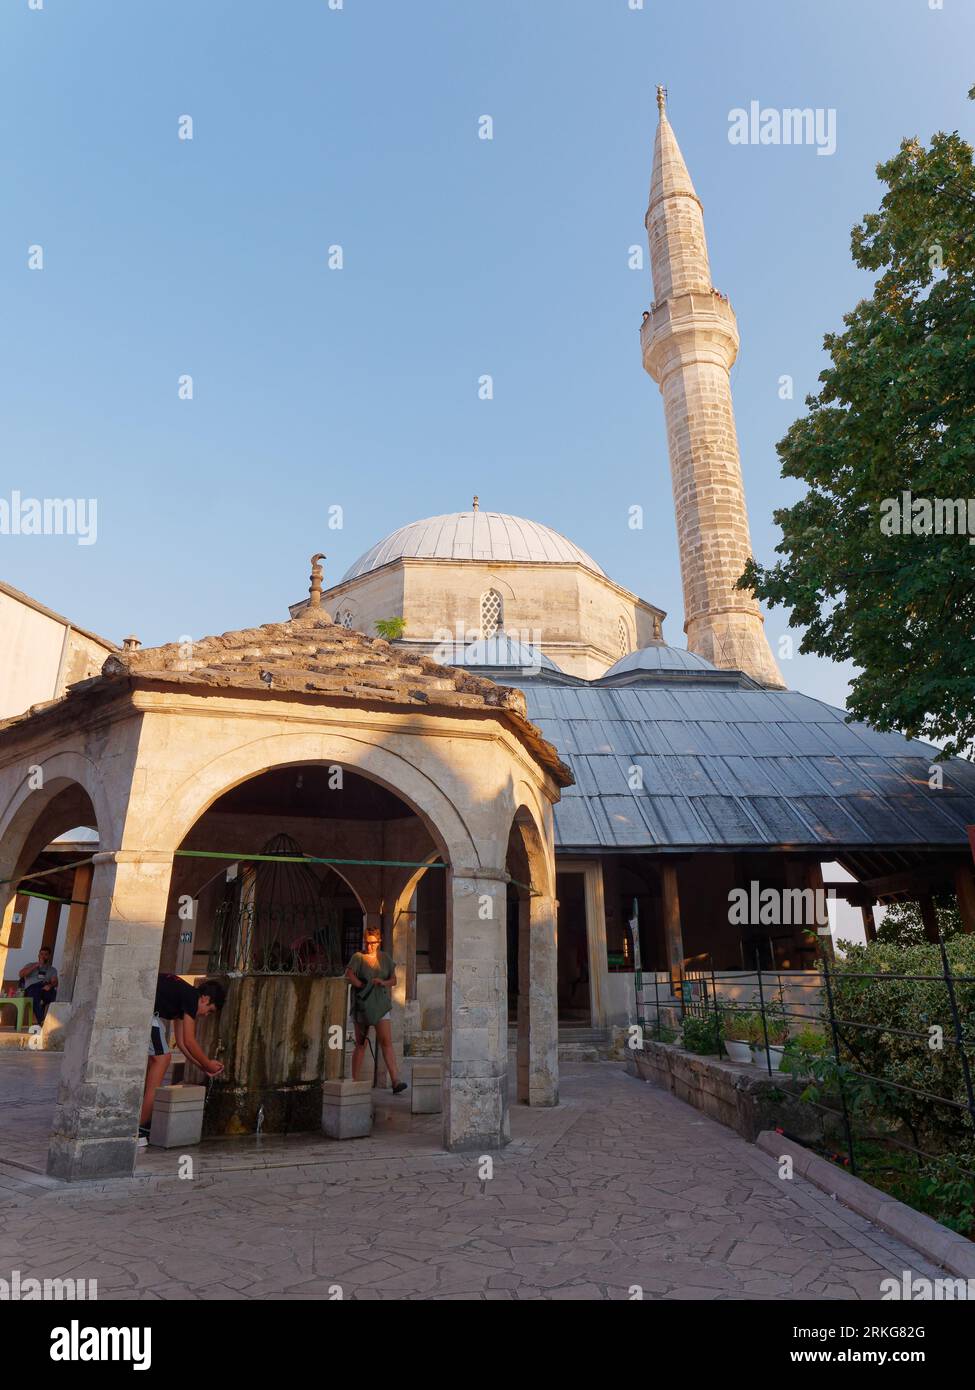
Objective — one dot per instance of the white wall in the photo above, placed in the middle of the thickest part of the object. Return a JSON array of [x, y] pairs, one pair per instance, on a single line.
[[33, 935], [30, 656]]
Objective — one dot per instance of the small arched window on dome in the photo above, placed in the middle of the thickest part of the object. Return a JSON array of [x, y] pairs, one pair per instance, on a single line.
[[344, 616], [623, 637], [492, 613]]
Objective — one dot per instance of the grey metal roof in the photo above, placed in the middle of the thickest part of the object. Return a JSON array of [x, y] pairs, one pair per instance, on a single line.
[[473, 536], [740, 767]]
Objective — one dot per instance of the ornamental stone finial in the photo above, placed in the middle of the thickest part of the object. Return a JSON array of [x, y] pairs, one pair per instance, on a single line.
[[661, 99], [477, 502], [315, 588]]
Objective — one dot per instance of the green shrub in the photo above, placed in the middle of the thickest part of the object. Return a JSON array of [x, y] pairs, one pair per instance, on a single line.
[[738, 1025], [702, 1035]]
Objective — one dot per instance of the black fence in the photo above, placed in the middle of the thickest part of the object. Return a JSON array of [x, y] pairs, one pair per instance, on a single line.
[[886, 1060]]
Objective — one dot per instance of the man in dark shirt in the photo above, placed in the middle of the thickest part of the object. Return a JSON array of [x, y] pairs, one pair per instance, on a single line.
[[39, 981], [181, 1004]]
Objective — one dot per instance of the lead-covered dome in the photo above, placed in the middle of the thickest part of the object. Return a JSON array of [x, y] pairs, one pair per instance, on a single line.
[[658, 656], [473, 535]]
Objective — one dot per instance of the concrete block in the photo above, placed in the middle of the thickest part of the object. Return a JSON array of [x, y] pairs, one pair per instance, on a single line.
[[347, 1109], [426, 1093], [177, 1116]]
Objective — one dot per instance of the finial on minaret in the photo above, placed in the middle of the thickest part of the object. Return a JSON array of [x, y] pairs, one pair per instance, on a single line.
[[661, 99], [315, 588], [477, 502]]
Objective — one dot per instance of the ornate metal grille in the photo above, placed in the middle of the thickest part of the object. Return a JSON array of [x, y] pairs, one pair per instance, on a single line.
[[624, 638], [278, 919], [492, 613]]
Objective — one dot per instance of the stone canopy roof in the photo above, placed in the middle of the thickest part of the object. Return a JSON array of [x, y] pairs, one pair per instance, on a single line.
[[311, 655]]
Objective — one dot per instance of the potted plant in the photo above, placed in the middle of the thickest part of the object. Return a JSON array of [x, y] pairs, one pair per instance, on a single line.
[[777, 1031], [737, 1027], [802, 1050]]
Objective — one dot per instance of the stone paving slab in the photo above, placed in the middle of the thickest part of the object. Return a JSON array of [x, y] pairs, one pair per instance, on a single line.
[[622, 1185]]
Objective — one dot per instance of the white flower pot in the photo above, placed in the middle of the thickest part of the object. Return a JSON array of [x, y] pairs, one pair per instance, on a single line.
[[738, 1051], [774, 1052]]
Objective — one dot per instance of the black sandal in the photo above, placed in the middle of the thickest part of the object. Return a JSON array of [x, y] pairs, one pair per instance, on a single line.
[[400, 1086]]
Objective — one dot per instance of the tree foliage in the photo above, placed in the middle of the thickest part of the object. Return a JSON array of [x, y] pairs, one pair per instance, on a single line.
[[896, 413]]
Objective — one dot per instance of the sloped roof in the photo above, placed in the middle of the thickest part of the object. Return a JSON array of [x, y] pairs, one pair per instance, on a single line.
[[311, 655], [734, 768]]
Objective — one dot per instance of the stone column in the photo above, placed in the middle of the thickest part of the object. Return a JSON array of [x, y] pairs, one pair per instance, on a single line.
[[538, 1001], [475, 1102], [102, 1076]]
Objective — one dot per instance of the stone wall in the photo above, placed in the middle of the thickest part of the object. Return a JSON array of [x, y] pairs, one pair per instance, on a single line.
[[745, 1098]]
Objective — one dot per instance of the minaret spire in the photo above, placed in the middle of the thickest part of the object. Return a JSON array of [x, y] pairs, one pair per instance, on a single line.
[[690, 341]]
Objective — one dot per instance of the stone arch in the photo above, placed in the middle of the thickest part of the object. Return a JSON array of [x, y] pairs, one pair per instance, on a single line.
[[24, 812], [71, 795], [379, 763]]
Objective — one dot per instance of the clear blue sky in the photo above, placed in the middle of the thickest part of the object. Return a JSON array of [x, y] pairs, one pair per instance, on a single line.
[[462, 257]]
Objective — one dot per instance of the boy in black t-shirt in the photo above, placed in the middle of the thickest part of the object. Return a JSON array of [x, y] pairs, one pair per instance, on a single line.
[[182, 1004]]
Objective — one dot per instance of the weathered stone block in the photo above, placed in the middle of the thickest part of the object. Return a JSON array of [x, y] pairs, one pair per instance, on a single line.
[[177, 1116], [347, 1109], [426, 1097]]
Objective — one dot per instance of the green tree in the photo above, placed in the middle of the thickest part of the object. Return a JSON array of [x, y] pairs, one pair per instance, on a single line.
[[896, 412], [902, 925]]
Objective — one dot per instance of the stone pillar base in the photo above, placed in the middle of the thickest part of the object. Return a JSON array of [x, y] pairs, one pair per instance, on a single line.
[[347, 1109], [78, 1160], [426, 1092]]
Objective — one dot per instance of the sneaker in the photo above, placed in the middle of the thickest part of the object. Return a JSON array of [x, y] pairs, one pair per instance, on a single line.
[[400, 1086], [143, 1136]]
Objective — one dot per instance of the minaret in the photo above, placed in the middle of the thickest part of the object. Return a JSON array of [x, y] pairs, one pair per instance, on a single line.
[[690, 341]]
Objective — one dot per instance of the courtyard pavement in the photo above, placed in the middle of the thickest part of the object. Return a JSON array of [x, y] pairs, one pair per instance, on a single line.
[[621, 1189]]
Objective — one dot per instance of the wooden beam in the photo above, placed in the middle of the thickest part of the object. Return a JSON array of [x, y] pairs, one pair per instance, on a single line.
[[51, 920], [673, 936], [929, 916], [965, 892], [869, 922], [77, 916]]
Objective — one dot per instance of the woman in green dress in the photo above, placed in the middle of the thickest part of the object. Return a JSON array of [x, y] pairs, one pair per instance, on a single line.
[[372, 975]]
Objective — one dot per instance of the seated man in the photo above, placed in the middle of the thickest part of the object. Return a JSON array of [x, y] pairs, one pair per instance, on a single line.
[[40, 983], [181, 1004]]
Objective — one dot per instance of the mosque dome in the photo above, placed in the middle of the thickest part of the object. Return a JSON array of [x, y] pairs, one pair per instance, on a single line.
[[504, 652], [659, 657], [473, 535]]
